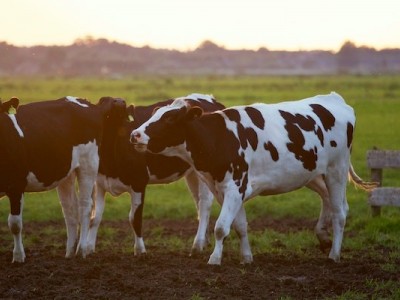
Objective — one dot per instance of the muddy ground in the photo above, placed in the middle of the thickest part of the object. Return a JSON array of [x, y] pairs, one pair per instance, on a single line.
[[114, 273]]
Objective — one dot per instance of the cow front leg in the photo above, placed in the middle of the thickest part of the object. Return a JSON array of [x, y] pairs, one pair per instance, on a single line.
[[136, 220], [15, 225], [230, 207]]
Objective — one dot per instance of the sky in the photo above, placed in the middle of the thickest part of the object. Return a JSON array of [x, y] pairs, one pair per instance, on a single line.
[[184, 24]]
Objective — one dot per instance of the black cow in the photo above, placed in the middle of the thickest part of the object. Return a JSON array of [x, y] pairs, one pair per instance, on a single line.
[[48, 144], [123, 169]]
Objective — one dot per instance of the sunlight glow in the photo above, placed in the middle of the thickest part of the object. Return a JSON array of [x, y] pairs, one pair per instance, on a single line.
[[183, 24]]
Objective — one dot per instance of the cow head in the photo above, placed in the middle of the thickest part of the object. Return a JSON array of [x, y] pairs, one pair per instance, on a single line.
[[10, 106], [113, 108], [166, 127]]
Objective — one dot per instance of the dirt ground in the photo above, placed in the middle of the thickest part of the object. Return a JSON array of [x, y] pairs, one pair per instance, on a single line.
[[112, 273]]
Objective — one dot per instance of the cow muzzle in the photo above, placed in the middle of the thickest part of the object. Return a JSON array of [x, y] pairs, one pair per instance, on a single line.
[[137, 141]]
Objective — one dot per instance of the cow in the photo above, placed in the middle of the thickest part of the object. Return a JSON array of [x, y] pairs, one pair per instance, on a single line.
[[123, 169], [49, 144], [262, 149]]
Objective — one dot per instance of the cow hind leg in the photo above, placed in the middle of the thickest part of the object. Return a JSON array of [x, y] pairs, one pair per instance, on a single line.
[[324, 221], [69, 203], [136, 220], [97, 215], [336, 181], [240, 226], [86, 175], [203, 199], [15, 225]]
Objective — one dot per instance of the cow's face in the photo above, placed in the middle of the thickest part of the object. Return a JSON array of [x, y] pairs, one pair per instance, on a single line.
[[114, 109], [166, 127]]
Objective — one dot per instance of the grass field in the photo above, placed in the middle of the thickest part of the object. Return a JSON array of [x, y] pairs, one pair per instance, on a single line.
[[376, 100]]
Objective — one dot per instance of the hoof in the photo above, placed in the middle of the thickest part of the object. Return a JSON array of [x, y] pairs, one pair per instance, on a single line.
[[334, 258], [325, 245], [216, 261], [18, 258], [140, 253], [246, 259]]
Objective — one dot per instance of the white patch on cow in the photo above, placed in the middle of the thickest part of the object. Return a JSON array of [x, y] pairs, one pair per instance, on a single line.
[[15, 226], [79, 151], [76, 101], [14, 120], [112, 185]]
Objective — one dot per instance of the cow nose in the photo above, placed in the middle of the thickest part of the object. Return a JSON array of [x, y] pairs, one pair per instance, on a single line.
[[135, 136]]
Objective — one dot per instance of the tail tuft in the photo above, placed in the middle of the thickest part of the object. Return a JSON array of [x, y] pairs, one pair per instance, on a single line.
[[358, 182]]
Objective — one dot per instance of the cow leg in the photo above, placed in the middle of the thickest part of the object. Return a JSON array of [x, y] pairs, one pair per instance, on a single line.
[[95, 221], [336, 182], [136, 219], [87, 174], [321, 229], [69, 203], [15, 224], [240, 226], [230, 208], [203, 198]]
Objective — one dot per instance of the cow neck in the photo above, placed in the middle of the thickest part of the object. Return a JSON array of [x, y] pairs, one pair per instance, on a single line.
[[110, 145], [202, 137]]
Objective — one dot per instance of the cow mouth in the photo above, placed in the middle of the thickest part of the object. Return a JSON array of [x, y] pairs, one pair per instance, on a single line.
[[139, 147]]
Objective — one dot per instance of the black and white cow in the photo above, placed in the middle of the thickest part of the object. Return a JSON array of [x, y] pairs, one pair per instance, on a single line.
[[123, 169], [49, 144], [262, 149]]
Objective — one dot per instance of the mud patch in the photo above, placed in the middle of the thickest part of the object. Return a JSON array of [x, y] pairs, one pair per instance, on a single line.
[[113, 272]]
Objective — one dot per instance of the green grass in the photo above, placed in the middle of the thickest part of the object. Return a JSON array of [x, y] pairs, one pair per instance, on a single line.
[[376, 100]]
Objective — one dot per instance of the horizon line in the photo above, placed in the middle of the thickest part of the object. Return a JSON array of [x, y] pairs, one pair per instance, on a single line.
[[193, 48]]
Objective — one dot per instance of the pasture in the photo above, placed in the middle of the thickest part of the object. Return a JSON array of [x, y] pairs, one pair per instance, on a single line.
[[287, 261]]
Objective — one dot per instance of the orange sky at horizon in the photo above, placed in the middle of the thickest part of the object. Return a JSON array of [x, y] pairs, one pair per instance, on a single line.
[[184, 24]]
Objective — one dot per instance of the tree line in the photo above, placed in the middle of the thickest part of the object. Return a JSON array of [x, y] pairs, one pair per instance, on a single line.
[[102, 57]]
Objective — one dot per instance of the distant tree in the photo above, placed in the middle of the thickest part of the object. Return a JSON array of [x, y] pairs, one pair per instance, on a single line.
[[208, 45], [347, 57]]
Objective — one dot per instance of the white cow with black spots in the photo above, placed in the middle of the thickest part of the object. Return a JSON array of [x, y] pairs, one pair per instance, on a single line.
[[262, 149]]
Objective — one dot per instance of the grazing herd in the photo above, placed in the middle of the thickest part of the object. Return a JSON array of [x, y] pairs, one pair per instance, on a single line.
[[233, 154]]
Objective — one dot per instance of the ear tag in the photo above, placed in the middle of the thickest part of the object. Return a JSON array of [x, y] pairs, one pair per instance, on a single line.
[[12, 111], [131, 119]]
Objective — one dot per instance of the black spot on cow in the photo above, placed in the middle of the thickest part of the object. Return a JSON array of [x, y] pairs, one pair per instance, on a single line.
[[350, 130], [333, 144], [294, 126], [273, 151], [251, 136], [232, 115], [255, 116], [245, 134], [327, 119]]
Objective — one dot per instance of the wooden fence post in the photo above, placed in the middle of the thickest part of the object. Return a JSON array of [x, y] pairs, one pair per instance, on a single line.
[[376, 176]]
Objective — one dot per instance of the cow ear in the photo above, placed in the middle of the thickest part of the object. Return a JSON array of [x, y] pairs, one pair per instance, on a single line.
[[194, 113], [14, 101], [131, 113], [11, 106]]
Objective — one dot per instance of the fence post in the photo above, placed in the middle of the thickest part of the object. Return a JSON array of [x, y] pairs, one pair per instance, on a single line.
[[376, 176]]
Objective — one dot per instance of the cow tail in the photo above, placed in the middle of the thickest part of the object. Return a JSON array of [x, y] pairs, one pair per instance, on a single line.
[[358, 182]]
